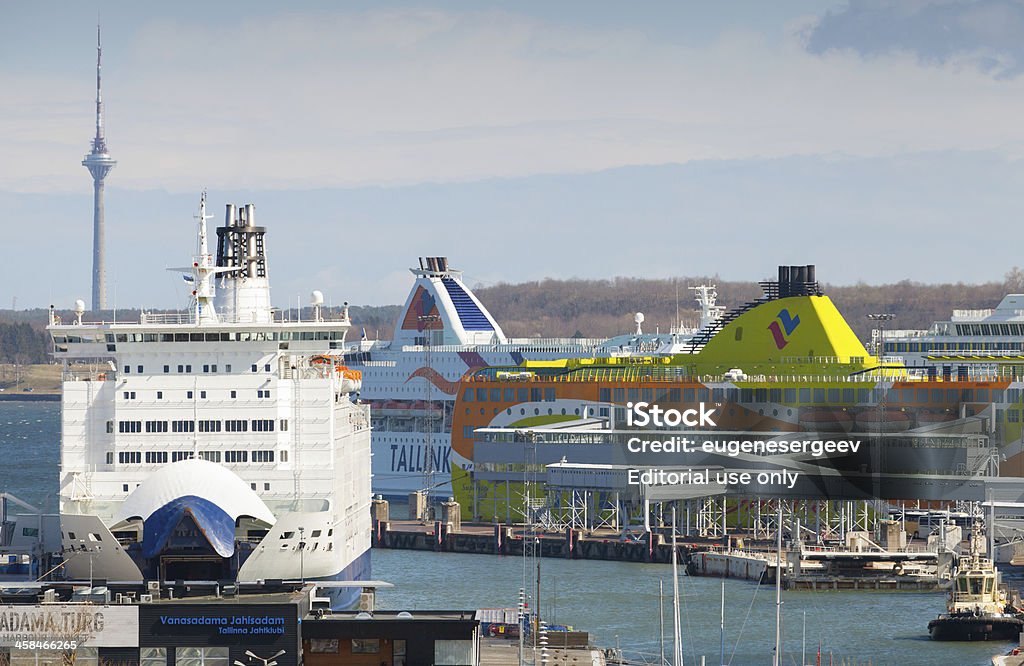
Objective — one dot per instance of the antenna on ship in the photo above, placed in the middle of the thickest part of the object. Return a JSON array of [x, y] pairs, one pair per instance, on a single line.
[[200, 274]]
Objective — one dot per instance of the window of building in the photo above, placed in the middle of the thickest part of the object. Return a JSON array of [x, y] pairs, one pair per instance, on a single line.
[[188, 394], [110, 427], [150, 656], [263, 425], [139, 369], [254, 367], [129, 426], [202, 394], [266, 368], [156, 426], [451, 653], [210, 456], [159, 395], [236, 456], [167, 369], [181, 369], [206, 367], [284, 425], [263, 456], [227, 368], [129, 457], [188, 369], [110, 457], [156, 457], [201, 656], [284, 456], [180, 455], [369, 646], [127, 369], [236, 425], [234, 394], [266, 486], [183, 426]]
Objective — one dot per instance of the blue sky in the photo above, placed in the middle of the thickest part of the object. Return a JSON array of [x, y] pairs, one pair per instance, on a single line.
[[880, 140]]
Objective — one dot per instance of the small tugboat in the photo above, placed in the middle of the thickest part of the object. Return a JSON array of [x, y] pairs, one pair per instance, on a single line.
[[979, 606]]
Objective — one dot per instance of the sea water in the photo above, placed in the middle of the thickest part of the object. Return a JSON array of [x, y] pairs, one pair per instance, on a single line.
[[617, 602]]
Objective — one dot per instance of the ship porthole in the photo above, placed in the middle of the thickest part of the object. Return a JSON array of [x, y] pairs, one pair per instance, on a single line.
[[482, 410], [536, 411], [509, 412], [549, 411], [522, 412], [775, 412], [563, 411]]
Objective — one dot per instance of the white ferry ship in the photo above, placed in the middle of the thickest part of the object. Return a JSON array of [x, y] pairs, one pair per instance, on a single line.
[[216, 444], [969, 342], [442, 332]]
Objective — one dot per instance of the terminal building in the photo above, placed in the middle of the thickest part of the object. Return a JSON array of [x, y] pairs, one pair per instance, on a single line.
[[200, 623]]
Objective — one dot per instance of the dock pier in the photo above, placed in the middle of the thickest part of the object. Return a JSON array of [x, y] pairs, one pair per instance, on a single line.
[[807, 568]]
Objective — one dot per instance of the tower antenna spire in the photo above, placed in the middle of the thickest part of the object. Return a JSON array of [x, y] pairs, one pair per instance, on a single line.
[[99, 163], [99, 144]]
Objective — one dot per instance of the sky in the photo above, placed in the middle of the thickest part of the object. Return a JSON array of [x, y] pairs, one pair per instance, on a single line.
[[880, 140]]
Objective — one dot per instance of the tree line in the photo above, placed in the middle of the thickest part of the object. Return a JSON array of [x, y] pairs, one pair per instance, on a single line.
[[604, 308], [23, 344]]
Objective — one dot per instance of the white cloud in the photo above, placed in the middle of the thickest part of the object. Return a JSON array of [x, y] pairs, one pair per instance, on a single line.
[[403, 96]]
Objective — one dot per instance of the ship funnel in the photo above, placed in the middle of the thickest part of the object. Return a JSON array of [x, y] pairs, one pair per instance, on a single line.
[[793, 281]]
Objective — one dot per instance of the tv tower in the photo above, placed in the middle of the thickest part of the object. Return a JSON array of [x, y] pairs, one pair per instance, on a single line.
[[99, 164]]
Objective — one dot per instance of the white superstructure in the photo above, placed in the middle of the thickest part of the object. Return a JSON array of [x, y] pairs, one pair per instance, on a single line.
[[970, 341], [443, 331], [161, 416]]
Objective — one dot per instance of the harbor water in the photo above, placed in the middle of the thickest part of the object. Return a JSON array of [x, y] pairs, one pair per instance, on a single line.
[[617, 602]]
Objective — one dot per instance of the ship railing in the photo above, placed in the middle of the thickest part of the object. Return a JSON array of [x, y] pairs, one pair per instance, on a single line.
[[87, 374], [910, 548], [164, 318]]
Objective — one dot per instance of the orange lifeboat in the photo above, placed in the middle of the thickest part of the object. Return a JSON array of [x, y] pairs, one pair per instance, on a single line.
[[885, 420], [826, 419]]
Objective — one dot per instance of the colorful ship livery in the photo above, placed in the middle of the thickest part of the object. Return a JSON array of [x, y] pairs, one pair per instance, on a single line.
[[787, 362], [442, 333]]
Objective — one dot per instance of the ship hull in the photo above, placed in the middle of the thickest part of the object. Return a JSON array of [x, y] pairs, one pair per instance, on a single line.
[[975, 628]]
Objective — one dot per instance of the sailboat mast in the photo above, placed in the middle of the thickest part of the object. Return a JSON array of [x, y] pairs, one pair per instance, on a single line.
[[661, 618], [777, 655], [677, 634]]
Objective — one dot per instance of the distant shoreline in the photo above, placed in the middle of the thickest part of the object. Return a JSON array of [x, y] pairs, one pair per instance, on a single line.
[[29, 397]]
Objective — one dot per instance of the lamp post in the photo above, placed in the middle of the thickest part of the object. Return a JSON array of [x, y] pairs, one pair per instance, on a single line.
[[302, 549], [880, 318], [426, 322]]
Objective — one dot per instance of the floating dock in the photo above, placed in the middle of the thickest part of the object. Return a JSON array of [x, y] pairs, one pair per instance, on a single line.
[[810, 567]]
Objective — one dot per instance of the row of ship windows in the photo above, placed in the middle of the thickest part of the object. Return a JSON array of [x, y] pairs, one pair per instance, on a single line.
[[162, 457], [204, 425], [520, 395], [260, 394], [810, 395], [990, 329], [222, 336], [896, 347], [186, 368]]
